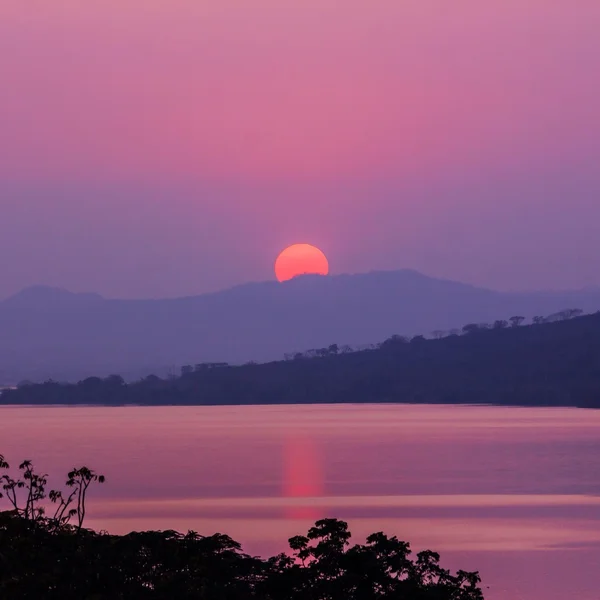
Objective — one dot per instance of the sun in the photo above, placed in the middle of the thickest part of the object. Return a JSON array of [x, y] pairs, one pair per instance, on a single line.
[[300, 259]]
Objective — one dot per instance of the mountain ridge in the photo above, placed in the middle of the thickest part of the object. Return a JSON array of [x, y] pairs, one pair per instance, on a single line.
[[36, 294], [42, 291]]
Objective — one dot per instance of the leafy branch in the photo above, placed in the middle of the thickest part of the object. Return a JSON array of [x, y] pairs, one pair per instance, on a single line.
[[29, 503]]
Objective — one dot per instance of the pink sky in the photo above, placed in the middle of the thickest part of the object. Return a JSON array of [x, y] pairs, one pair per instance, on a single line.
[[163, 148]]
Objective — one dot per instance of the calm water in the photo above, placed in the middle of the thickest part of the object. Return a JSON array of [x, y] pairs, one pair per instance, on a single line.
[[511, 492]]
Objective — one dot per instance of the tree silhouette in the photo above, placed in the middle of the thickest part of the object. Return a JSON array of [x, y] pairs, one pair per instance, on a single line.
[[382, 568], [27, 493], [33, 486]]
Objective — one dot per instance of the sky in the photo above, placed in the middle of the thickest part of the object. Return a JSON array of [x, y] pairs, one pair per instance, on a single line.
[[154, 148]]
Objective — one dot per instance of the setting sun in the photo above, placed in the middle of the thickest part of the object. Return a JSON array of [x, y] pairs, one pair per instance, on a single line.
[[300, 259]]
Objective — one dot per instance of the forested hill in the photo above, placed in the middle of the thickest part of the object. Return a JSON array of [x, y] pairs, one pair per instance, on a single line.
[[546, 364]]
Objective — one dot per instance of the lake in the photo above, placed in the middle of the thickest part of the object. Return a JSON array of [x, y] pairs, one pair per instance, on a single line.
[[511, 492]]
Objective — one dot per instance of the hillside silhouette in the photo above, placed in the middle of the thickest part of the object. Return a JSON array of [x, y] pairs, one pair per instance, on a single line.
[[52, 333], [552, 362]]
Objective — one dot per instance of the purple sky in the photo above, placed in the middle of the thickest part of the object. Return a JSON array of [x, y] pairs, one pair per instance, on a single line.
[[153, 148]]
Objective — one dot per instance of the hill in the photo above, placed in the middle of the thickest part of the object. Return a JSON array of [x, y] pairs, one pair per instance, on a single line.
[[550, 364], [50, 333]]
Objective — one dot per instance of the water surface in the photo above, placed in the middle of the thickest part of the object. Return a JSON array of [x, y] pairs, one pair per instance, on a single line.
[[511, 492]]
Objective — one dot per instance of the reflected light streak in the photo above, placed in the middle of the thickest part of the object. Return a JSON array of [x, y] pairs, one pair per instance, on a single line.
[[302, 478]]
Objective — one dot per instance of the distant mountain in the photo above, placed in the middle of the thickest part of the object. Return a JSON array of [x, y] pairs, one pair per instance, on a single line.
[[41, 297], [48, 332]]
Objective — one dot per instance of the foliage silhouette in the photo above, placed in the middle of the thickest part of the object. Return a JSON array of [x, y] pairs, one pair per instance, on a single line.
[[43, 557], [26, 494]]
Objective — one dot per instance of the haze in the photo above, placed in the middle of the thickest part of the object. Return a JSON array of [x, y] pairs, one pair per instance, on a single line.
[[155, 149]]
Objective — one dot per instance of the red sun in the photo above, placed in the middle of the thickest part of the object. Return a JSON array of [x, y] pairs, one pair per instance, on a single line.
[[300, 259]]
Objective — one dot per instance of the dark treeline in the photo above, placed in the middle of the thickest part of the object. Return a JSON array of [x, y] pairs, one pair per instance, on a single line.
[[551, 362], [44, 556]]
